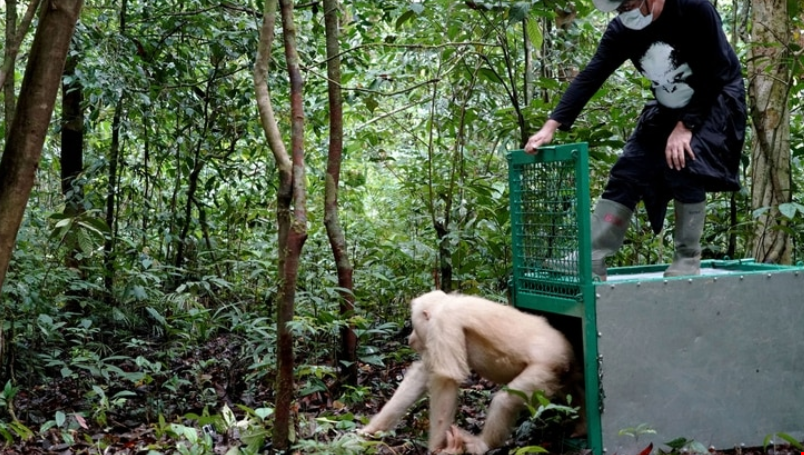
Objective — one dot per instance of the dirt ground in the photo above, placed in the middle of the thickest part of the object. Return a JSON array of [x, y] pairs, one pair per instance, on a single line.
[[132, 429]]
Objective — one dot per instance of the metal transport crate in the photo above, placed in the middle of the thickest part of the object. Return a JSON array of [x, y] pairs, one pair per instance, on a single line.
[[716, 358]]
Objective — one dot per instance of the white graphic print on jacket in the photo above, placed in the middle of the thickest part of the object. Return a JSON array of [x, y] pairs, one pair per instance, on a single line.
[[668, 76]]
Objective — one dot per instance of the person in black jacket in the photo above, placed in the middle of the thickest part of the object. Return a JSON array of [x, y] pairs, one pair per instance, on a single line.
[[688, 139]]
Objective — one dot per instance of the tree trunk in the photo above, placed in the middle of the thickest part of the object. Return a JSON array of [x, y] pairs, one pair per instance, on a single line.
[[198, 165], [72, 139], [111, 201], [347, 355], [192, 187], [26, 137], [13, 45], [769, 88], [10, 62], [291, 211], [72, 164]]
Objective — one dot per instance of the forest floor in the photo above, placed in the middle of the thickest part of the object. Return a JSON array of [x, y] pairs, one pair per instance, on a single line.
[[85, 425]]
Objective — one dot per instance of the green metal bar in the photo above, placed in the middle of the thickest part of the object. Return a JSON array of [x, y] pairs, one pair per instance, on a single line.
[[514, 191], [591, 359], [584, 211], [549, 304], [550, 223], [592, 372]]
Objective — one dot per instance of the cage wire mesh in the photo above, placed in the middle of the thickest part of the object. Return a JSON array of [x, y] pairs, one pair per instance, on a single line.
[[545, 222]]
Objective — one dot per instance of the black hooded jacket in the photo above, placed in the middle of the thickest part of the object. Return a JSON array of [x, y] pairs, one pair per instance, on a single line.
[[695, 77]]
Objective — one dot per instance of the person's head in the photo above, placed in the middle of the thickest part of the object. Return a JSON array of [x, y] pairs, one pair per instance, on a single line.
[[634, 14]]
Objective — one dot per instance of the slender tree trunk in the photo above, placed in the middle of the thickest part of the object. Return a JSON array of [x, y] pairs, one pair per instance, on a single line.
[[26, 137], [347, 355], [10, 62], [198, 165], [72, 164], [111, 200], [527, 47], [769, 89], [192, 187], [72, 139], [13, 46], [444, 279], [291, 211]]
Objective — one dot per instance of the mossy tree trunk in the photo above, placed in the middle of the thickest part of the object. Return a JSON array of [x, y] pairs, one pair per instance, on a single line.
[[770, 79]]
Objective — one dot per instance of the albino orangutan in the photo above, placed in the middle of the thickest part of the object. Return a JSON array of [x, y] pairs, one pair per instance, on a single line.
[[456, 333]]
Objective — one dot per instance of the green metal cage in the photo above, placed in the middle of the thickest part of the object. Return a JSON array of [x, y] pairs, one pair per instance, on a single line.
[[674, 357], [551, 246]]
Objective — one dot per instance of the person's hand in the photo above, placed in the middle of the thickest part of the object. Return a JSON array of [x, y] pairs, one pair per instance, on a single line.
[[543, 136], [678, 147]]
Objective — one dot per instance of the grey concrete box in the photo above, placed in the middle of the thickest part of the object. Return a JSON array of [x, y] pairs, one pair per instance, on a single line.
[[717, 358]]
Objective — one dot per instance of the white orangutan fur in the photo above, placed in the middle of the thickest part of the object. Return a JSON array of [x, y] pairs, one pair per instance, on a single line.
[[455, 334]]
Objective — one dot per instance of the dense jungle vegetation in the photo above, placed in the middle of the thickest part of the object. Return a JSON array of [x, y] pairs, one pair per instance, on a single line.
[[144, 302]]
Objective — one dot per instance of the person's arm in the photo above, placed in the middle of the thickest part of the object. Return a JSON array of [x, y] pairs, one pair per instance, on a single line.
[[543, 136], [610, 54]]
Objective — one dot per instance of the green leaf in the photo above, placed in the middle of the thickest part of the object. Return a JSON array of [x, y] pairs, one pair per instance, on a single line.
[[677, 443], [63, 223], [155, 314], [791, 440], [60, 418], [531, 449], [767, 441], [788, 209], [22, 431], [139, 293], [534, 32], [793, 8], [373, 360], [371, 103], [6, 435], [518, 12], [229, 420], [405, 17], [489, 75], [759, 212], [124, 394], [696, 447], [263, 413]]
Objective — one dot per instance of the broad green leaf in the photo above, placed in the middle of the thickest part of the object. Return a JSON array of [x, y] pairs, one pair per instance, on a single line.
[[404, 17], [677, 443], [791, 440], [534, 32], [518, 12], [60, 418], [371, 103], [489, 75], [531, 449], [788, 209], [263, 413]]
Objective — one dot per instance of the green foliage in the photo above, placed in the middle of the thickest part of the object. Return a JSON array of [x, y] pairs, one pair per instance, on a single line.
[[637, 431], [544, 411], [684, 445], [435, 95], [544, 415], [345, 444], [770, 441]]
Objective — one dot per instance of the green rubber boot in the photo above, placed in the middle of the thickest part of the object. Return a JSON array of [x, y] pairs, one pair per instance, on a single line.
[[610, 221], [687, 238]]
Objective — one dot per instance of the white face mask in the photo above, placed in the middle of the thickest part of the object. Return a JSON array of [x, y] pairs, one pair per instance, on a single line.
[[635, 20]]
